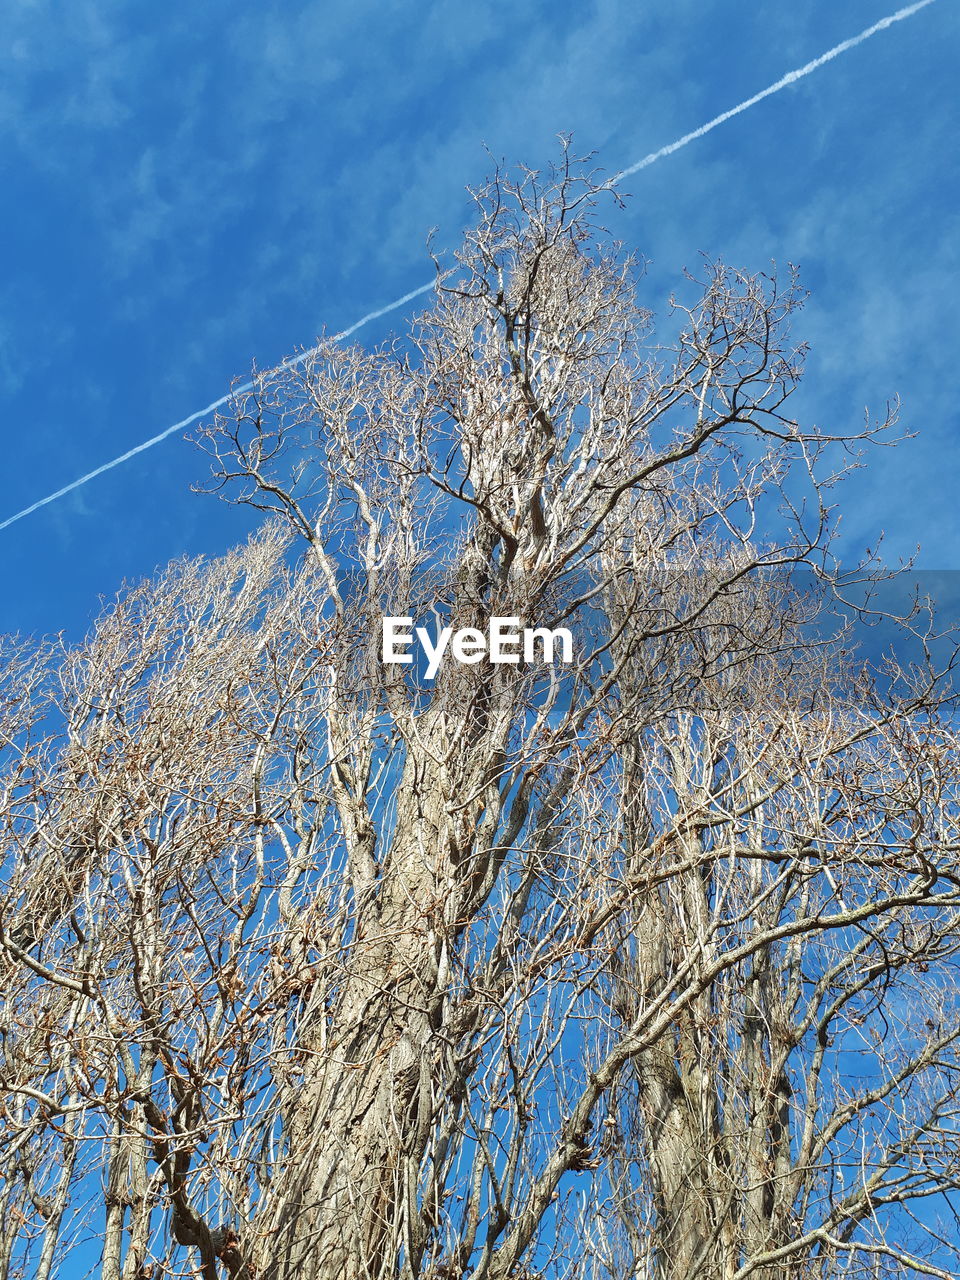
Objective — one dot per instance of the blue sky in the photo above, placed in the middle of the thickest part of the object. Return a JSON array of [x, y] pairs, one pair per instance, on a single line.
[[187, 191]]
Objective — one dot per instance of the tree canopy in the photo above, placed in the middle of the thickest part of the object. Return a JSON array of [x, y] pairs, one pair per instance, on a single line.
[[642, 966]]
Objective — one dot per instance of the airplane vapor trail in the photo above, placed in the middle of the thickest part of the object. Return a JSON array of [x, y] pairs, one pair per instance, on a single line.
[[202, 413], [790, 78]]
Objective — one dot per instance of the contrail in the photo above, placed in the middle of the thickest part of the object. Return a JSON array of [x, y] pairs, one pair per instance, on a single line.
[[790, 78], [201, 413]]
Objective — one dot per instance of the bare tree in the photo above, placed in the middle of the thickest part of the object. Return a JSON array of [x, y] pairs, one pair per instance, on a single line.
[[641, 966]]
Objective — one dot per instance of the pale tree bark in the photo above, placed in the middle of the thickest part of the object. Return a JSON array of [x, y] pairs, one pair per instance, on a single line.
[[643, 966]]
